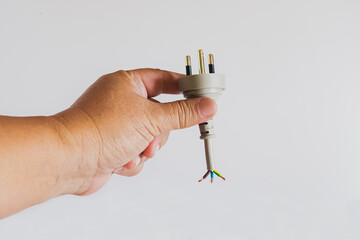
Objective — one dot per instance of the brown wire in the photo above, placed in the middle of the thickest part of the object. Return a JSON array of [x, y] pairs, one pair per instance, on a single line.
[[205, 176]]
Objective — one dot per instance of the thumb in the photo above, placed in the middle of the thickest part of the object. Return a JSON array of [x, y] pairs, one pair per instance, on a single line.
[[185, 113]]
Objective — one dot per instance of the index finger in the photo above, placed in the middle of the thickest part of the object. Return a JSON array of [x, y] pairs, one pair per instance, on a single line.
[[156, 81]]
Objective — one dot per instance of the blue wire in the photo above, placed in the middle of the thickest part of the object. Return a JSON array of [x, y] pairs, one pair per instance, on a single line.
[[212, 174]]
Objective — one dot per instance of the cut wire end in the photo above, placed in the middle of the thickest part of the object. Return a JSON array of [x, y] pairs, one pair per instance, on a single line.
[[205, 176], [218, 174], [212, 175]]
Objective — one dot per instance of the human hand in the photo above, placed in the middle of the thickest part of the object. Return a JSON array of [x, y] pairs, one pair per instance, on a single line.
[[115, 126]]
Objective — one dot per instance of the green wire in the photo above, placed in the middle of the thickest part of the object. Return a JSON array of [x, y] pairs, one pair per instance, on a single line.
[[216, 173]]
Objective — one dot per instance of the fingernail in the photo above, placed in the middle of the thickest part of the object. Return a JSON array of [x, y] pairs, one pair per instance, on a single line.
[[118, 170], [137, 161], [156, 148], [207, 107]]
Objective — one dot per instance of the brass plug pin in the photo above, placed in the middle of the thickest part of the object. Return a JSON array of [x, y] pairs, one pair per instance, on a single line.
[[211, 64], [211, 59], [201, 60], [188, 66], [188, 60]]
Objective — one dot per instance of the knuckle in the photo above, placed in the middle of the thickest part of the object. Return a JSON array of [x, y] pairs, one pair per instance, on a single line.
[[115, 76], [183, 113]]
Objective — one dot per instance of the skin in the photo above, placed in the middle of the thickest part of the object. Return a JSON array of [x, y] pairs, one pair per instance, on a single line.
[[114, 127]]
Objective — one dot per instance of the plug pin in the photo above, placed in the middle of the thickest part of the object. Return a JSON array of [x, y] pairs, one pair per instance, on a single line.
[[201, 61], [188, 66], [211, 64]]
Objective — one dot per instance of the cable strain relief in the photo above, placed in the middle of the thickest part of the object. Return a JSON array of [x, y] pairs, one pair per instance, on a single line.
[[207, 136]]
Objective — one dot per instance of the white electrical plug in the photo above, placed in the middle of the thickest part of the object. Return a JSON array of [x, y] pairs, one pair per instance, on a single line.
[[204, 85]]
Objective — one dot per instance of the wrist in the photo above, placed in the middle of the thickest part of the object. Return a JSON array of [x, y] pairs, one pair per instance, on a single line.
[[79, 138]]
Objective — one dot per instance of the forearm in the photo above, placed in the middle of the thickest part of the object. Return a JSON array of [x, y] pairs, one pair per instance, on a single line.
[[39, 160]]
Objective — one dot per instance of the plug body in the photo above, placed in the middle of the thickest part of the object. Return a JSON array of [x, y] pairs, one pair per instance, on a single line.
[[204, 85]]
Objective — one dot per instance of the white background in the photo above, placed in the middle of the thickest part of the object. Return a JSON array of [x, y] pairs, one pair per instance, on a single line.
[[288, 134]]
